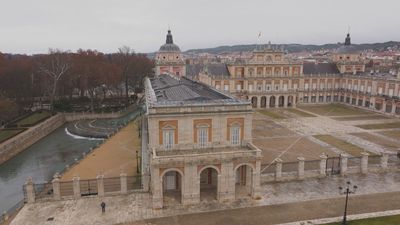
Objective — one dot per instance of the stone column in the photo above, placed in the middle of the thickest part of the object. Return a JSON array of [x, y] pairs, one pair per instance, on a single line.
[[157, 191], [191, 184], [364, 162], [393, 108], [56, 187], [285, 101], [76, 187], [226, 181], [322, 165], [343, 164], [383, 106], [100, 185], [30, 190], [300, 168], [384, 160], [267, 101], [124, 183], [255, 192], [278, 169]]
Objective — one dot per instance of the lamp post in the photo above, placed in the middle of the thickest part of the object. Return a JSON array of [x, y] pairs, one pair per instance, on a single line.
[[346, 191]]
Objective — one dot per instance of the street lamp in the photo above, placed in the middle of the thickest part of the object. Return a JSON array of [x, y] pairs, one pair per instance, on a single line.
[[346, 191]]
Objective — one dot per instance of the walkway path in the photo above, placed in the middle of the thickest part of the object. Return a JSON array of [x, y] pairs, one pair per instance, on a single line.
[[283, 213]]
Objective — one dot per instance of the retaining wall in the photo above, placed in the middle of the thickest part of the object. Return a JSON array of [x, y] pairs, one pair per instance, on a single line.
[[20, 142], [89, 116]]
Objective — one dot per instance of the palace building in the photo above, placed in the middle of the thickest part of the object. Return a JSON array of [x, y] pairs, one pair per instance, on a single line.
[[199, 116], [271, 79]]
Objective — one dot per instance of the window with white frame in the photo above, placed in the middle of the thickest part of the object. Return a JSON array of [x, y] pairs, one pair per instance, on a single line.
[[202, 136], [235, 135], [268, 87], [168, 137]]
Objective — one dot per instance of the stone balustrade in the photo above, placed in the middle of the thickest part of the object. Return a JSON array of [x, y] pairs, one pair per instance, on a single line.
[[78, 188], [320, 169]]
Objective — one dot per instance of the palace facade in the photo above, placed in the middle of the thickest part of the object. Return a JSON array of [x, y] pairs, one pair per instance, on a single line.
[[271, 79]]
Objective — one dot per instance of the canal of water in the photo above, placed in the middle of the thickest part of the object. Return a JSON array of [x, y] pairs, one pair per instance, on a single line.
[[40, 161]]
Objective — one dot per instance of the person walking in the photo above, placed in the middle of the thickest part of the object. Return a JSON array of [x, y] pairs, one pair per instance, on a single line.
[[103, 207]]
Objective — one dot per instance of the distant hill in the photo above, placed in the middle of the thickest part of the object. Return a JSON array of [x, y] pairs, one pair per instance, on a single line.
[[293, 48]]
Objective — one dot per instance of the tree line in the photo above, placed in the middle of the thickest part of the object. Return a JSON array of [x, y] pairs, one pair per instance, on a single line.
[[84, 74]]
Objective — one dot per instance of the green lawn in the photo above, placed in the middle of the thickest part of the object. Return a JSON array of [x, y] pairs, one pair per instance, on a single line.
[[8, 133], [341, 144], [274, 115], [379, 126], [300, 113], [386, 220], [33, 119], [334, 110]]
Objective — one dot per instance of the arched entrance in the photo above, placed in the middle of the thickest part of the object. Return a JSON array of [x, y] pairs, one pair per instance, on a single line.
[[272, 101], [172, 187], [263, 102], [244, 181], [254, 102], [281, 101], [209, 184], [290, 101]]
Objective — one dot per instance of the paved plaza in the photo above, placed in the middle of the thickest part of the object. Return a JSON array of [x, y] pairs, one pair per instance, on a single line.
[[303, 132], [137, 206]]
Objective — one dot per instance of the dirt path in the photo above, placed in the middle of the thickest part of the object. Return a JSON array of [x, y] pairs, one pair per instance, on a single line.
[[116, 155]]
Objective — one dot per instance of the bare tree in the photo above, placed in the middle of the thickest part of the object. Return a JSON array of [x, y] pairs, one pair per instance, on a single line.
[[54, 65], [124, 59]]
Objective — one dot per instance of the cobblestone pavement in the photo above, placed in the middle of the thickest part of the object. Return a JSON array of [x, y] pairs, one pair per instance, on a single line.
[[137, 206]]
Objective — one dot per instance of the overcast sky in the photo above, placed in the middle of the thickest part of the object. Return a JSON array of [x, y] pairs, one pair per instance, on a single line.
[[33, 26]]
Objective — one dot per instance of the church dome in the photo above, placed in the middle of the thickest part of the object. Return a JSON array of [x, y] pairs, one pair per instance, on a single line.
[[169, 45]]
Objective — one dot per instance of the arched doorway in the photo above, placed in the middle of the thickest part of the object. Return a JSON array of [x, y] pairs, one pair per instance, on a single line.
[[263, 102], [272, 101], [209, 184], [172, 187], [244, 181], [290, 101], [254, 102], [281, 101]]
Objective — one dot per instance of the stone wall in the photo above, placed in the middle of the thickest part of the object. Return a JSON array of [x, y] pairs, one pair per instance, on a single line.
[[20, 142], [89, 116]]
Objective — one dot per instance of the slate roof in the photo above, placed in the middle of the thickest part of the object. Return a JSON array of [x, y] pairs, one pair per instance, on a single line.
[[347, 49], [168, 88], [319, 68], [213, 69], [169, 48]]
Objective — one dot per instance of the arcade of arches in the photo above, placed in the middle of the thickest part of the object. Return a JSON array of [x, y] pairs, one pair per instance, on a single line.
[[193, 184], [273, 101]]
